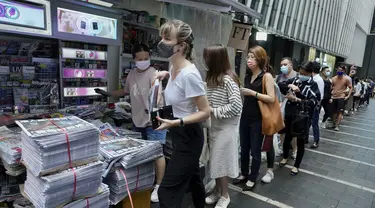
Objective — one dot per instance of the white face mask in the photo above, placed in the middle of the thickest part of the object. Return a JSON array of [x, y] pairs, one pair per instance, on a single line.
[[143, 65]]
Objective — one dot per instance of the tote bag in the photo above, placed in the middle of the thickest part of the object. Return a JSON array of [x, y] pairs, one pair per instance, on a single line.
[[272, 120]]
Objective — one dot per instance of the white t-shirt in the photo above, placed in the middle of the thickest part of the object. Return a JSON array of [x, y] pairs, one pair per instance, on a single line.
[[180, 92], [320, 82]]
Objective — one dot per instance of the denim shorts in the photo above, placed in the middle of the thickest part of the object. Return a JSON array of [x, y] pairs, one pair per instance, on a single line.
[[152, 135]]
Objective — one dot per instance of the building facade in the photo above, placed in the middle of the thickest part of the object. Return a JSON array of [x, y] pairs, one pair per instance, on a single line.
[[335, 27]]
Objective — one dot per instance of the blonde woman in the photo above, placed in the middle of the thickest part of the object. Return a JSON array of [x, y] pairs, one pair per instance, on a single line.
[[185, 92]]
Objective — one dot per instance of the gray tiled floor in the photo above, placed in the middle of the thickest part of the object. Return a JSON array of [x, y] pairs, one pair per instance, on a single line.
[[347, 180]]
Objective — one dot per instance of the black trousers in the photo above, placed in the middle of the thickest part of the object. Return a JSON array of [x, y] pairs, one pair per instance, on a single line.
[[182, 172], [288, 139], [328, 109], [251, 140]]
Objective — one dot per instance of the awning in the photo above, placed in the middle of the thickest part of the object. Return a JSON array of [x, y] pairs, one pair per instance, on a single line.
[[217, 5]]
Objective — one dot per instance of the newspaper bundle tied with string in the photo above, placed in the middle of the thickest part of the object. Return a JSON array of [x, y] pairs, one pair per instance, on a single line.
[[10, 151], [62, 160]]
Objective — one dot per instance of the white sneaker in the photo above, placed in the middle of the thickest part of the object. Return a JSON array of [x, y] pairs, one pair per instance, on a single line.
[[337, 128], [213, 198], [268, 177], [223, 202], [154, 194]]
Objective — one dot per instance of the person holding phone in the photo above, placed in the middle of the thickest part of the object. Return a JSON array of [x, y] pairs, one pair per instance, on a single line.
[[186, 93], [138, 85], [303, 95]]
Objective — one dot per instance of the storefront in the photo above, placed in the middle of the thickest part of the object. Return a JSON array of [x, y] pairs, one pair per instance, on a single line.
[[60, 53]]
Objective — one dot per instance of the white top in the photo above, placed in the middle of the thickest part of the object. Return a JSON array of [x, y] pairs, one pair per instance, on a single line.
[[180, 92], [319, 80], [357, 89]]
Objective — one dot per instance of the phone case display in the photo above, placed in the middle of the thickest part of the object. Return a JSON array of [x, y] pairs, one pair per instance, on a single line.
[[28, 76], [84, 68]]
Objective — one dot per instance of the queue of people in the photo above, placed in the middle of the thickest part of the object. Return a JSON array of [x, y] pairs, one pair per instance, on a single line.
[[234, 108]]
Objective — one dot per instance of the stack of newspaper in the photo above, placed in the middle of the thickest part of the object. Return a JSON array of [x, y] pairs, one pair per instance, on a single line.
[[129, 152], [123, 181], [100, 200], [51, 145], [63, 187], [10, 151]]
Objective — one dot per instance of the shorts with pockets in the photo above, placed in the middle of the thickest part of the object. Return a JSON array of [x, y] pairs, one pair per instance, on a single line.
[[339, 105], [152, 135]]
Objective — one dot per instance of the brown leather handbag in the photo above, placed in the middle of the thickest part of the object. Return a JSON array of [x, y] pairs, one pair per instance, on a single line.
[[272, 120]]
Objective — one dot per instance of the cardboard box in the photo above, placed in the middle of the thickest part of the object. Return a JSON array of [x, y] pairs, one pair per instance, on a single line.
[[141, 199]]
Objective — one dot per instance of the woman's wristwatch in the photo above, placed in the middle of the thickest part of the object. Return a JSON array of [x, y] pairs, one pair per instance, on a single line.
[[182, 122]]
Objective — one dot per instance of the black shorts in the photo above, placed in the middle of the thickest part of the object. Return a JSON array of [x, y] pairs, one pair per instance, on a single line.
[[339, 105]]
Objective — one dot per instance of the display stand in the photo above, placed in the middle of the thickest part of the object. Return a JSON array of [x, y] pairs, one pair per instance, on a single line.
[[28, 75], [83, 69]]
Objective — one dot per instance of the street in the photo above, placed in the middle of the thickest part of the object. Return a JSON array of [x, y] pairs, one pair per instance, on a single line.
[[340, 173]]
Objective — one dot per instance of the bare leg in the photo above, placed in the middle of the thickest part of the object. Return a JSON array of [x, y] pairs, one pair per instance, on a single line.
[[294, 144], [282, 137], [159, 169], [339, 119], [223, 185]]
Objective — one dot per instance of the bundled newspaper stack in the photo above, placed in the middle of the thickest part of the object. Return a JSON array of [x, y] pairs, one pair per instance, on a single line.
[[129, 152], [122, 181], [63, 187], [10, 151], [100, 200], [51, 145]]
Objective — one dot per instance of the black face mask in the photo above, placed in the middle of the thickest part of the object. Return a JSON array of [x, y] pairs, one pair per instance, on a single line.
[[165, 50]]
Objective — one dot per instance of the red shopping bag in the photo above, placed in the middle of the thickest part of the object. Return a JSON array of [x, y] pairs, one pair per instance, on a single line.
[[267, 143]]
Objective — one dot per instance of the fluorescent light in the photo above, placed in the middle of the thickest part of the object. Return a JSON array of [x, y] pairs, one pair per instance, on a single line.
[[98, 2], [261, 36], [199, 5]]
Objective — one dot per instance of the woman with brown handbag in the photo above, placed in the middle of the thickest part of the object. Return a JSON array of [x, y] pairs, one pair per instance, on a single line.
[[251, 136]]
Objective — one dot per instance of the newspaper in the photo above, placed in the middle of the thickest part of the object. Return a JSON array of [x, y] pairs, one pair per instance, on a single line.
[[51, 145]]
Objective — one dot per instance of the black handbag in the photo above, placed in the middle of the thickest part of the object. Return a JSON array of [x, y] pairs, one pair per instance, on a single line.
[[301, 122]]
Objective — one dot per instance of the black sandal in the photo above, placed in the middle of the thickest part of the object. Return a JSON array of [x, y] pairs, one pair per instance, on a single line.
[[282, 164], [238, 181], [294, 173]]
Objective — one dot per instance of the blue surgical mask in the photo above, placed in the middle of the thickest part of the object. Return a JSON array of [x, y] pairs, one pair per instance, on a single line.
[[328, 73], [284, 70], [303, 78], [340, 73]]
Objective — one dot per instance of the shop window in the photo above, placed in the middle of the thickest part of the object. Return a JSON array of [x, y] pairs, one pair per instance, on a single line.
[[273, 13], [264, 11], [254, 4], [282, 15]]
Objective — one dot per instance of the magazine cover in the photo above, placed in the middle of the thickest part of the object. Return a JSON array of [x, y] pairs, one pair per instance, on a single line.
[[21, 96]]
